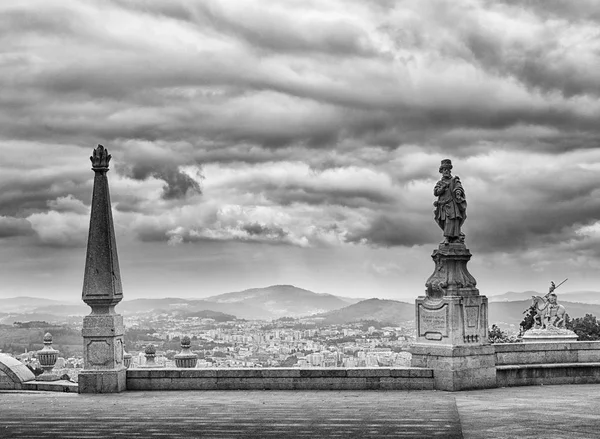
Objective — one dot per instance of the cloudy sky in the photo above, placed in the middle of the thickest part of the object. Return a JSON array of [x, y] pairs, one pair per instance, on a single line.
[[298, 142]]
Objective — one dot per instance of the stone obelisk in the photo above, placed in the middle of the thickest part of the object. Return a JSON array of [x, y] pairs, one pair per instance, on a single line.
[[452, 317], [104, 371]]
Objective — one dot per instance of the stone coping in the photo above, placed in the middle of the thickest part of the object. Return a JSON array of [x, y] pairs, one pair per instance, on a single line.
[[278, 372], [545, 346], [548, 366]]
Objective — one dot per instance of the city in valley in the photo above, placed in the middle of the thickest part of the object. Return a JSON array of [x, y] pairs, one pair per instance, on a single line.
[[285, 342]]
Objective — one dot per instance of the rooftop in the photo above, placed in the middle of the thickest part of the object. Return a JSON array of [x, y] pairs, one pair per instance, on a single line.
[[523, 412]]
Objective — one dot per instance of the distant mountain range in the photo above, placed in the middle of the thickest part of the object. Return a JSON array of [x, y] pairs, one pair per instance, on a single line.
[[256, 303], [572, 296], [284, 301]]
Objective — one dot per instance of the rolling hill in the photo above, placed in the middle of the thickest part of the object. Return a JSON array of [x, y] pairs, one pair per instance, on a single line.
[[385, 311], [256, 303], [280, 301], [283, 301]]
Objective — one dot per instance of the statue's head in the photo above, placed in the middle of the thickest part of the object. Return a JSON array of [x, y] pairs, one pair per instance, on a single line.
[[552, 298], [445, 167]]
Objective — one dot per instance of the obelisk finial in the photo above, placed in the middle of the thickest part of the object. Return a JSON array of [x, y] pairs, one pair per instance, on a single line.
[[100, 158]]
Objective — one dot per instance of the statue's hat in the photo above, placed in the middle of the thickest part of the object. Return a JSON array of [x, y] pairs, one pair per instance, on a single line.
[[446, 163]]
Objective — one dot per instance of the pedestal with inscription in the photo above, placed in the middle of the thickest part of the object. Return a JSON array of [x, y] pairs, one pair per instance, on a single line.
[[104, 370], [451, 323]]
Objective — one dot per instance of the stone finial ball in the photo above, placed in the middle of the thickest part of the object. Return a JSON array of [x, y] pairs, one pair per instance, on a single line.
[[150, 349], [48, 337], [186, 341]]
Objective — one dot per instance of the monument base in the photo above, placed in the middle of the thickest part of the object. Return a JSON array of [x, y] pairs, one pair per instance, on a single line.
[[457, 367], [452, 320], [102, 381], [550, 335]]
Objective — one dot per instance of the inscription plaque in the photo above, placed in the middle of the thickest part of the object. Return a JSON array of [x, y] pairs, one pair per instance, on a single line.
[[433, 324]]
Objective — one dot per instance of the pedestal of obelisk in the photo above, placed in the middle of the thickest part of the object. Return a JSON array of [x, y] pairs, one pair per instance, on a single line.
[[104, 371]]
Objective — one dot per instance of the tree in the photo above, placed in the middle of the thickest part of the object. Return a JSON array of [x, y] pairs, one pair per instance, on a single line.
[[289, 361], [587, 328], [496, 335], [528, 321]]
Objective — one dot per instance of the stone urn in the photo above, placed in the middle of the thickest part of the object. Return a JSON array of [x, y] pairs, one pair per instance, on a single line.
[[47, 357], [186, 358], [126, 359], [150, 353]]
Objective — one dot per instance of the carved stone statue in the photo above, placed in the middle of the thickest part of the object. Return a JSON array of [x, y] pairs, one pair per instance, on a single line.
[[451, 206], [549, 320], [550, 314]]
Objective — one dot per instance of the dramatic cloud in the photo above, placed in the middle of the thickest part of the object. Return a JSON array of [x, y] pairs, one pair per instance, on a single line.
[[304, 125]]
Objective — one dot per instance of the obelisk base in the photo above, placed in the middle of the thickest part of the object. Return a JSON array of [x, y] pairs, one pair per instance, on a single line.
[[102, 381], [104, 371]]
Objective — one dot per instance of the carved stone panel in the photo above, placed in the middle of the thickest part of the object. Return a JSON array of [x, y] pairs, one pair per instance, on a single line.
[[472, 316], [433, 323], [99, 353]]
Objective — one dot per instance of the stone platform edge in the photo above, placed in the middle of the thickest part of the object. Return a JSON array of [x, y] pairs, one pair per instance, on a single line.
[[51, 386], [409, 378]]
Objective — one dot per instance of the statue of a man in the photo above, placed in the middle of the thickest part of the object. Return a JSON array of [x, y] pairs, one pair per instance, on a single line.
[[550, 314], [451, 206], [555, 313]]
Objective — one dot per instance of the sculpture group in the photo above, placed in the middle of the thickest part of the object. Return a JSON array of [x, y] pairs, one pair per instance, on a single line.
[[549, 313]]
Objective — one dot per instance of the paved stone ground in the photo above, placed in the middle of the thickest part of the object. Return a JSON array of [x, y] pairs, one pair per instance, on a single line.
[[526, 412], [566, 411]]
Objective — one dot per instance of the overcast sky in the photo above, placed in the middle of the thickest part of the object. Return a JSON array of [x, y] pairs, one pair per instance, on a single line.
[[298, 142]]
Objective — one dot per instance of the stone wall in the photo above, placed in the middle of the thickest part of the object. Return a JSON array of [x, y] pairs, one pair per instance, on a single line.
[[546, 353], [281, 379], [528, 364]]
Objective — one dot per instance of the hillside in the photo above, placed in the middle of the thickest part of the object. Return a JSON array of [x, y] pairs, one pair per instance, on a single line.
[[386, 311], [279, 301]]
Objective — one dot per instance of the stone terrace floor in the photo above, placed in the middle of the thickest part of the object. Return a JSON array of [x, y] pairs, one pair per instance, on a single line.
[[568, 411]]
